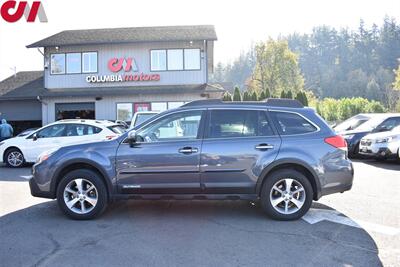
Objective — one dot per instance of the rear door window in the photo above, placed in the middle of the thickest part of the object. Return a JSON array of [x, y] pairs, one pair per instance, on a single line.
[[238, 123], [81, 130], [291, 123]]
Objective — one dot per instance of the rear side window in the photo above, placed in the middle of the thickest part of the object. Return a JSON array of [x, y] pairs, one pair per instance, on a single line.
[[291, 123], [238, 123], [81, 130], [118, 129]]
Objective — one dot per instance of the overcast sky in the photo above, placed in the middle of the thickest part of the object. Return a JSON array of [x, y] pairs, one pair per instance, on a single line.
[[238, 23]]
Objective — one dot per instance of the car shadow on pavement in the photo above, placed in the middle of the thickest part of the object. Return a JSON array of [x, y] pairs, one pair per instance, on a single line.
[[179, 233], [14, 174], [393, 165]]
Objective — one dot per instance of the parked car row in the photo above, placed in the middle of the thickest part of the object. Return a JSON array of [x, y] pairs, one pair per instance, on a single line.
[[372, 135], [28, 145]]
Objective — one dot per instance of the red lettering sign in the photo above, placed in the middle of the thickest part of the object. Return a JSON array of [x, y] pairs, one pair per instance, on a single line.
[[22, 9]]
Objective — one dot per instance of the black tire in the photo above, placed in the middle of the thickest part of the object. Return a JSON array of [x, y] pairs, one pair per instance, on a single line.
[[100, 193], [13, 164], [275, 177]]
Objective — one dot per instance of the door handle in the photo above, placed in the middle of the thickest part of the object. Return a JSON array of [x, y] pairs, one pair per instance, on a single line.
[[264, 146], [188, 150]]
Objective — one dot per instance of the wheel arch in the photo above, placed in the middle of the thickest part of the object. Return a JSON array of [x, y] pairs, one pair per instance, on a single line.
[[8, 149], [293, 164], [78, 165]]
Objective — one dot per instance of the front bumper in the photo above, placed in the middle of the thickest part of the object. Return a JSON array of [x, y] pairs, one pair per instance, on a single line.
[[40, 184], [378, 150]]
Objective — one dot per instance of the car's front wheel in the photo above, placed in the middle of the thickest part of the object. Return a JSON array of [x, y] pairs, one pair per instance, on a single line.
[[82, 195], [286, 195], [14, 158]]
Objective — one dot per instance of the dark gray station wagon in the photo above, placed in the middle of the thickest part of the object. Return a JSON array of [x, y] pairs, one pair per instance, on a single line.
[[277, 152]]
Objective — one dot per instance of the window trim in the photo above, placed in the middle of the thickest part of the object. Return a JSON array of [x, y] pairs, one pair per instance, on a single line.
[[200, 134], [318, 129], [183, 58], [116, 110], [199, 59], [97, 62], [65, 64], [275, 132]]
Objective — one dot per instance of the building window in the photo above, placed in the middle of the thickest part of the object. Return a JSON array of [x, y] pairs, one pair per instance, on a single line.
[[124, 111], [89, 62], [172, 105], [57, 64], [74, 63], [159, 106], [192, 59], [175, 59], [158, 60]]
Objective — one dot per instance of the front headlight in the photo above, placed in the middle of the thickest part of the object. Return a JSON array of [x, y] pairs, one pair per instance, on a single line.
[[385, 140], [46, 155]]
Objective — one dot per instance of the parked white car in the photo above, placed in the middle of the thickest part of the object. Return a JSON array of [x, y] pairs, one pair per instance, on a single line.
[[141, 116], [18, 150], [382, 145]]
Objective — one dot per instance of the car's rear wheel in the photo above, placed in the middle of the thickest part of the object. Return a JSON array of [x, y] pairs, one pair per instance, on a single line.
[[14, 158], [286, 195], [82, 195]]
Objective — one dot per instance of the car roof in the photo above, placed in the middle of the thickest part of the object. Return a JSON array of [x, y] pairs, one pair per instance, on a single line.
[[104, 123], [268, 103]]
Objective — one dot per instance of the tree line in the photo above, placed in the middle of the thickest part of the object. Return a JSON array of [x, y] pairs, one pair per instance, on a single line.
[[326, 63]]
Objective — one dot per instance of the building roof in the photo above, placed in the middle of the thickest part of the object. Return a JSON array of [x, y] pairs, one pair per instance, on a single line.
[[22, 85], [129, 35], [30, 85]]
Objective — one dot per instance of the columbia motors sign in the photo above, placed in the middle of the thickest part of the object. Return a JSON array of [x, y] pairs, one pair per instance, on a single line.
[[13, 11], [126, 66]]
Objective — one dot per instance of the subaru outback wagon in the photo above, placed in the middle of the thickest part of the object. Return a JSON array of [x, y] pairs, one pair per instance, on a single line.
[[277, 152]]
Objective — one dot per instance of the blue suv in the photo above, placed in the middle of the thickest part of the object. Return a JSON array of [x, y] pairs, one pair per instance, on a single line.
[[277, 152]]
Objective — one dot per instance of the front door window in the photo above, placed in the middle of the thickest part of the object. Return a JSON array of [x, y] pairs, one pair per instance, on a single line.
[[178, 126]]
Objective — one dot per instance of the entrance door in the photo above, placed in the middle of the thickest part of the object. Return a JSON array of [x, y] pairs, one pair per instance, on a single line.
[[165, 158], [75, 111]]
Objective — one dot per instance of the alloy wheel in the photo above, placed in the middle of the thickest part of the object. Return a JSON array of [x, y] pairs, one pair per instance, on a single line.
[[80, 196], [287, 196], [15, 159]]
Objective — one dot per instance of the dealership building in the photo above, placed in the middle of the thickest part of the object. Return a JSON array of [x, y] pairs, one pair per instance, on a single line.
[[111, 74]]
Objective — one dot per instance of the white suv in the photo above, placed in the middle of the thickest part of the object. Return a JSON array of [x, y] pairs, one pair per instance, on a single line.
[[18, 150]]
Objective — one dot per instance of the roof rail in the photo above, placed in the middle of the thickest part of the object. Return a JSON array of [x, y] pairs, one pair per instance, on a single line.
[[272, 102]]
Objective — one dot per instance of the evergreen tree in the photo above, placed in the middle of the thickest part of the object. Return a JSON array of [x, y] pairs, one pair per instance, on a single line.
[[289, 94], [262, 96], [236, 94], [267, 93], [254, 96], [227, 97], [246, 96], [283, 94]]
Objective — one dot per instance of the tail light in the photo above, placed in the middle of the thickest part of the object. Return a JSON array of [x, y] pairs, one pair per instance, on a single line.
[[109, 137], [336, 141]]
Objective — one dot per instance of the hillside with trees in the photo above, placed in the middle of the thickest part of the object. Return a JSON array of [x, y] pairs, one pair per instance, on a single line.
[[326, 63]]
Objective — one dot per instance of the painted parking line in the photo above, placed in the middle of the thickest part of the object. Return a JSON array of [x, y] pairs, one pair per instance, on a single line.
[[317, 215], [27, 177]]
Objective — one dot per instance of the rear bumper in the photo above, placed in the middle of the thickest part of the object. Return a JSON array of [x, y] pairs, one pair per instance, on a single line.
[[338, 179]]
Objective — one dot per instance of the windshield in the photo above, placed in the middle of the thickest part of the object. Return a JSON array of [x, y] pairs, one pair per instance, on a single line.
[[143, 118], [370, 125], [350, 124]]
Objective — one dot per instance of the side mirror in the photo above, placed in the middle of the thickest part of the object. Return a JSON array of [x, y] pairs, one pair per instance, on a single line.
[[132, 137], [35, 137]]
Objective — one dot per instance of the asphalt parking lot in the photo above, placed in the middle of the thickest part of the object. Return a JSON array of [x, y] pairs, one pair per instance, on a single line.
[[358, 228]]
